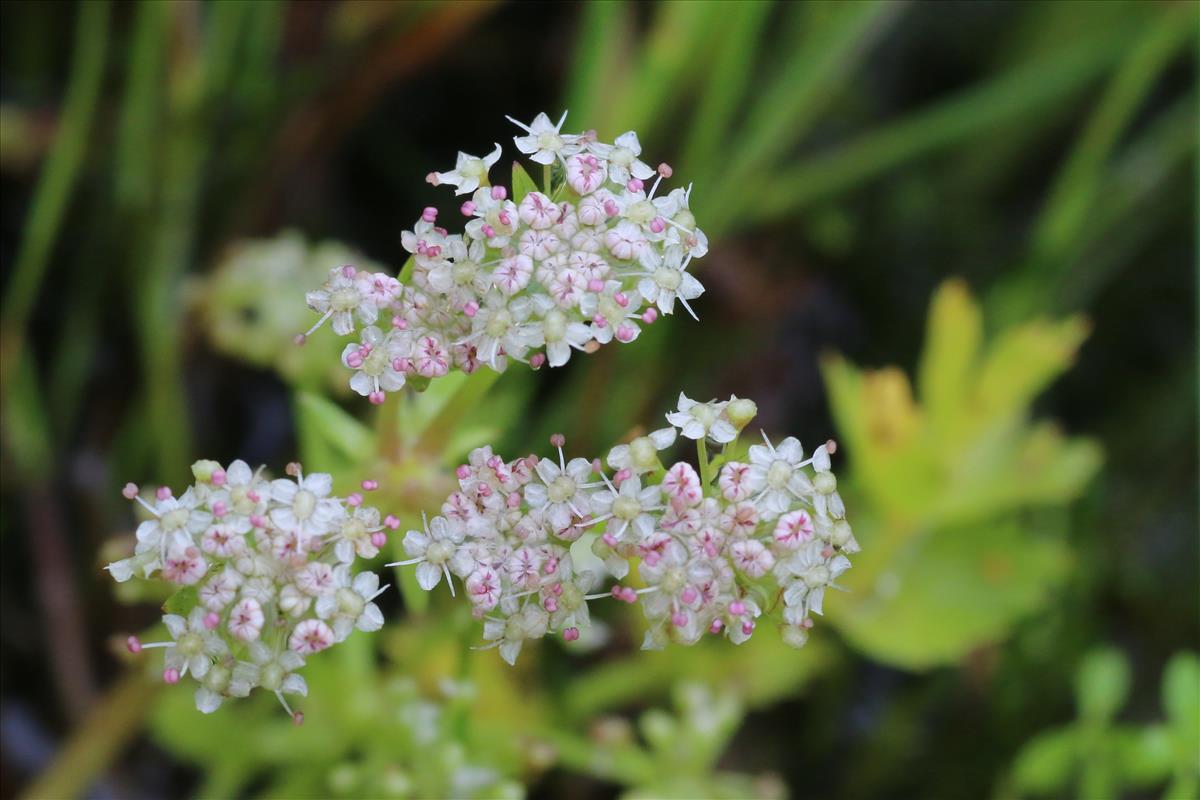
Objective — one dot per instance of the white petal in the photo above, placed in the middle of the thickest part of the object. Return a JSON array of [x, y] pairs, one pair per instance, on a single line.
[[428, 575]]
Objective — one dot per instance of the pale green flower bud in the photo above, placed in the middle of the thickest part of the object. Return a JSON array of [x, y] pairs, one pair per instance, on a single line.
[[740, 411]]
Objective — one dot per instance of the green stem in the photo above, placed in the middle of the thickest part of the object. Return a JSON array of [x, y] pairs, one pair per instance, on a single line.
[[546, 179], [705, 464]]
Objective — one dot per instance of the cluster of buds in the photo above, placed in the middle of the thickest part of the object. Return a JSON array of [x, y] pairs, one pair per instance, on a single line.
[[265, 570], [714, 549], [594, 256]]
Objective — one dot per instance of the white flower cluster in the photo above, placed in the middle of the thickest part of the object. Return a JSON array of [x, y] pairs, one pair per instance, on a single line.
[[266, 576], [713, 553], [535, 274]]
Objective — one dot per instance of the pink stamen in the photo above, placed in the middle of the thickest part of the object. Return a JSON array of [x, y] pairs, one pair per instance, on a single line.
[[299, 339], [652, 558], [212, 620], [354, 500], [514, 500], [550, 605], [432, 179], [595, 285], [570, 634], [689, 595], [218, 477], [467, 209], [429, 213], [537, 360], [349, 271], [354, 360], [635, 185], [625, 333], [505, 218], [484, 490], [462, 472], [379, 538], [370, 485], [629, 595], [611, 208], [391, 521], [716, 626], [399, 323], [171, 676], [258, 520], [621, 299], [737, 608], [134, 644], [557, 440], [664, 170], [623, 474], [471, 308], [499, 193], [609, 539], [163, 493], [377, 398], [298, 718], [747, 628], [130, 491], [253, 496], [679, 619], [650, 315], [488, 231], [220, 509]]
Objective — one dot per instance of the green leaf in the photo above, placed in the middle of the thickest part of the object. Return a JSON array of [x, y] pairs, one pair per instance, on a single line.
[[1143, 755], [1181, 700], [952, 343], [183, 601], [522, 184], [931, 599], [1102, 684], [327, 431], [1046, 762]]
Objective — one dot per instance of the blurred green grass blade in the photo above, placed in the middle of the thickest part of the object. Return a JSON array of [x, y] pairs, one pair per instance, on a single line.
[[141, 107], [94, 746], [1136, 205], [673, 54], [27, 435], [601, 59], [1019, 92], [730, 73], [1074, 190], [787, 108], [319, 418], [58, 175]]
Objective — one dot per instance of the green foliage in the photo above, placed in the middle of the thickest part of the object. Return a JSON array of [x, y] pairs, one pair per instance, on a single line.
[[1100, 756], [953, 551], [244, 321], [522, 184], [680, 752]]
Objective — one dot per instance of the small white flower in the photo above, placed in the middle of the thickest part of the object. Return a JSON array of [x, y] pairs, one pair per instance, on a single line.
[[670, 281], [641, 455], [543, 141], [432, 552], [195, 645], [698, 420], [622, 156], [469, 171], [340, 299], [349, 605]]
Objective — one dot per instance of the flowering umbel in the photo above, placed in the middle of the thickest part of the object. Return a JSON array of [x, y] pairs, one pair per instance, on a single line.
[[715, 549], [265, 570], [592, 257]]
